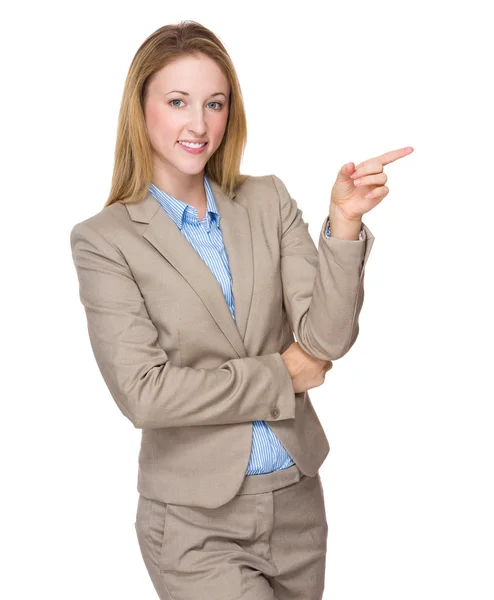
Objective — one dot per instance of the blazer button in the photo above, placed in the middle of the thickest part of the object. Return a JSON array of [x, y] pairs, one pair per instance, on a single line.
[[275, 412]]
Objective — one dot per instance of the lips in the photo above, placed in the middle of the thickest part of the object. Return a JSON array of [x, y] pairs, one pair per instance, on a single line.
[[193, 150]]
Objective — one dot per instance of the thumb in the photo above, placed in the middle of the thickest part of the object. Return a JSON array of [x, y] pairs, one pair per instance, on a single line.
[[345, 172]]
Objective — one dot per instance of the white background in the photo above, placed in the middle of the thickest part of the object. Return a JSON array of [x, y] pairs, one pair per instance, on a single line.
[[408, 412]]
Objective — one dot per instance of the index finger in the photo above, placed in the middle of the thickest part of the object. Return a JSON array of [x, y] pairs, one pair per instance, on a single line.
[[389, 157]]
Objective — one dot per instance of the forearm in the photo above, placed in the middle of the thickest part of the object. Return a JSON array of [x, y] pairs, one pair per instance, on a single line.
[[240, 390], [326, 324]]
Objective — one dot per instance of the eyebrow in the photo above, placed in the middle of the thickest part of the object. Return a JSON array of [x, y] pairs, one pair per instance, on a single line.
[[187, 94]]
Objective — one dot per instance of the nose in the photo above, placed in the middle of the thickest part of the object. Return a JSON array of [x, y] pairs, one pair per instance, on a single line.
[[197, 123]]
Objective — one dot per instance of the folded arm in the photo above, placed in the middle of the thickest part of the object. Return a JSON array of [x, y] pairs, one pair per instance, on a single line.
[[149, 390]]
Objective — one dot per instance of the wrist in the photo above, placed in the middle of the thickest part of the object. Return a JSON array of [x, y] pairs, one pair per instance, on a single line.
[[342, 227]]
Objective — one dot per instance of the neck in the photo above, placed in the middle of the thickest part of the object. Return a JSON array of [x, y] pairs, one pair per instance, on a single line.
[[187, 188]]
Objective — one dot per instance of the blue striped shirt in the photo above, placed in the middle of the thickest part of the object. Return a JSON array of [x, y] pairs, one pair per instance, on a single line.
[[267, 453]]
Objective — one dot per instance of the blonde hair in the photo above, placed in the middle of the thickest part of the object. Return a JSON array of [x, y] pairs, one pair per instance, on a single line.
[[132, 170]]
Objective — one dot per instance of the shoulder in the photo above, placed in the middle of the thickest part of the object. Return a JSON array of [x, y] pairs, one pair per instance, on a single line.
[[104, 225], [256, 182], [106, 219], [261, 189]]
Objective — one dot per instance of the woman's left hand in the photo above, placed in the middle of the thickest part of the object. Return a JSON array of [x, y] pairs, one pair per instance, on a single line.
[[359, 189]]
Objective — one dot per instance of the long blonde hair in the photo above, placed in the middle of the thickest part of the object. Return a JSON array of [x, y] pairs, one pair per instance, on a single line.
[[132, 170]]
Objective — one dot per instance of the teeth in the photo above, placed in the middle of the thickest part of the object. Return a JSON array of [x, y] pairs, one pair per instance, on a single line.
[[190, 145]]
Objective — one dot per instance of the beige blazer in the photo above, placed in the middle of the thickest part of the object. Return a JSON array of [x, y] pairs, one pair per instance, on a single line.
[[176, 363]]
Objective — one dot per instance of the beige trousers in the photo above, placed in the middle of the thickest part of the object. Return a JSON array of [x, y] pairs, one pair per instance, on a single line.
[[267, 543]]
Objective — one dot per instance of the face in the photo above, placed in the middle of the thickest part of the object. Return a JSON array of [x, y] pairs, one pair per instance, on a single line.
[[186, 100]]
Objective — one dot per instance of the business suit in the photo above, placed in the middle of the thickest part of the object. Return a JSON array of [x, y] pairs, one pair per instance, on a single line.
[[177, 364]]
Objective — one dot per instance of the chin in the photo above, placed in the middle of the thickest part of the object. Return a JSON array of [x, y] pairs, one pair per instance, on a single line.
[[191, 169]]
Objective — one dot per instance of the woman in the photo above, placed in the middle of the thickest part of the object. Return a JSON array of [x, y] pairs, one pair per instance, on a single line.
[[194, 279]]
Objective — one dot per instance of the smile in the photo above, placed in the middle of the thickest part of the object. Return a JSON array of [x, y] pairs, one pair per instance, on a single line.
[[193, 148]]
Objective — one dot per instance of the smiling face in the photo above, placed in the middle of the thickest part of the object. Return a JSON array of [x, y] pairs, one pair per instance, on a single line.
[[186, 100]]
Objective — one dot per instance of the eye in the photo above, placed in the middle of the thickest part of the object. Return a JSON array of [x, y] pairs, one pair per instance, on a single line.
[[220, 105]]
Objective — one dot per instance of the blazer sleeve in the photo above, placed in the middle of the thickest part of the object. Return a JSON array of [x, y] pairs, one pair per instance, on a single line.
[[149, 390], [323, 289]]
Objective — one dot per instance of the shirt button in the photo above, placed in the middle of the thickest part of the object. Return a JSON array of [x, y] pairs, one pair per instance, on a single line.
[[275, 412]]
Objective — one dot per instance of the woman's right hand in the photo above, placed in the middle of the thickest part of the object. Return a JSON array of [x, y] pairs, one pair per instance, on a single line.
[[306, 371]]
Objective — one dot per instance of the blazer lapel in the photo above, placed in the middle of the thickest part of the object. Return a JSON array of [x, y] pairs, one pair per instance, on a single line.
[[164, 235]]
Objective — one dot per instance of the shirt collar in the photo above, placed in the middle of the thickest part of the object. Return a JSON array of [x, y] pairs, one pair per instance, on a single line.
[[180, 211]]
